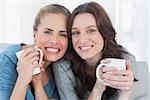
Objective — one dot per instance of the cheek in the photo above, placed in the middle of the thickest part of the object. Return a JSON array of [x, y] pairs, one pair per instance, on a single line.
[[101, 42], [64, 44], [40, 40], [74, 41]]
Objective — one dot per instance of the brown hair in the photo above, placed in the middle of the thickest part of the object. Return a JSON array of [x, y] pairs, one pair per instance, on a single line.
[[85, 82]]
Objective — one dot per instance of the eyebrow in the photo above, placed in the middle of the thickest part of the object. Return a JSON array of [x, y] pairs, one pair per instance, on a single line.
[[86, 27], [48, 29], [91, 26], [74, 28], [62, 31]]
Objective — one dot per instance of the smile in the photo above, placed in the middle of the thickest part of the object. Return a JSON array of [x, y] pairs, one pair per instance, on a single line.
[[53, 50], [85, 48]]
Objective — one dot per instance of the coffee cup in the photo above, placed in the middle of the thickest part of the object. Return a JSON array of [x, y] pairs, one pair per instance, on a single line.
[[36, 70], [120, 64]]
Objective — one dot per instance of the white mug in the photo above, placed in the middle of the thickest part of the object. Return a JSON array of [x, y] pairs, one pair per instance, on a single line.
[[120, 64], [36, 70]]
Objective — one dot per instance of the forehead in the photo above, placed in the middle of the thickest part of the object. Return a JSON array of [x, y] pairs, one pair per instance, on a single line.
[[53, 20], [84, 19]]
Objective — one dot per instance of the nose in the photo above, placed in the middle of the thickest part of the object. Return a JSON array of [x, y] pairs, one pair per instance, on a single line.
[[53, 39], [83, 37]]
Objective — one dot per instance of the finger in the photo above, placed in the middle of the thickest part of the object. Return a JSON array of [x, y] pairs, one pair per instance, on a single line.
[[119, 78], [105, 61], [119, 84], [43, 63], [32, 54], [27, 51], [37, 66], [128, 65], [42, 69], [122, 87], [34, 60], [120, 72]]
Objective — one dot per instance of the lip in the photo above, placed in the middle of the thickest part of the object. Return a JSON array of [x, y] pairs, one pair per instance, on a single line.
[[52, 50], [85, 48]]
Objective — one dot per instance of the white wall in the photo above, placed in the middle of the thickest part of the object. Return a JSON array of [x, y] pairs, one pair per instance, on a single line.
[[129, 17]]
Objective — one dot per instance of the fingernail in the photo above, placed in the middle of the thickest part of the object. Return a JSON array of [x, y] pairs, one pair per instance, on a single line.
[[42, 69], [105, 83]]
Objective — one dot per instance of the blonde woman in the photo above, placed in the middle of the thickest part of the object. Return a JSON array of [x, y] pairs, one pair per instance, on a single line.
[[51, 37]]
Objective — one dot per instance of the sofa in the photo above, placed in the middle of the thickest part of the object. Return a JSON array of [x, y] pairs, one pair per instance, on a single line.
[[141, 88]]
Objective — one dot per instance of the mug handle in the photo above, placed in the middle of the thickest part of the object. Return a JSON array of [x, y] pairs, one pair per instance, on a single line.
[[97, 71], [38, 70], [41, 55]]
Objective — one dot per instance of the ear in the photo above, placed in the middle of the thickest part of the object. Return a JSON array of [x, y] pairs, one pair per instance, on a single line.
[[34, 36], [34, 33]]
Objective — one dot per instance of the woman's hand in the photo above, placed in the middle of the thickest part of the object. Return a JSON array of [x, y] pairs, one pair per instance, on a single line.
[[119, 79], [26, 64], [37, 78], [98, 88], [25, 69]]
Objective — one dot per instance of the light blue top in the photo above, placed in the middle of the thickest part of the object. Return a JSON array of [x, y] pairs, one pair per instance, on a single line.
[[8, 75]]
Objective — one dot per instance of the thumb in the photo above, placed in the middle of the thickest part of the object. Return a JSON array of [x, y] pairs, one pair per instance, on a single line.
[[43, 63], [128, 65]]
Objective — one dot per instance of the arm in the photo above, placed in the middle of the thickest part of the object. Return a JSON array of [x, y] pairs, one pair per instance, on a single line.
[[8, 76], [40, 92], [19, 90], [38, 86], [25, 69], [97, 91]]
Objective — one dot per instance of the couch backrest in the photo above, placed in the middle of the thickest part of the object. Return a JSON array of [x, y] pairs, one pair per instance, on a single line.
[[3, 45], [141, 88]]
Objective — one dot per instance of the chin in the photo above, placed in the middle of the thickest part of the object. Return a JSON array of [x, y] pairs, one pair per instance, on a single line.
[[52, 58], [84, 57]]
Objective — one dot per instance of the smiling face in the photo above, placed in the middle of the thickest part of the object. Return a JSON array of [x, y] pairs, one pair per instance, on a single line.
[[86, 38], [51, 36]]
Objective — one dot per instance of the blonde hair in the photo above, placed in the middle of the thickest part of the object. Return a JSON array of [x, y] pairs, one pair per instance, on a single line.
[[51, 8]]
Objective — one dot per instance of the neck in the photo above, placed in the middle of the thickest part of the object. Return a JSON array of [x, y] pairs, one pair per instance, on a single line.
[[46, 64], [94, 60]]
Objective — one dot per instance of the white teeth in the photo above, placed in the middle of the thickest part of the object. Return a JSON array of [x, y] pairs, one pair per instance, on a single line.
[[85, 47], [52, 49]]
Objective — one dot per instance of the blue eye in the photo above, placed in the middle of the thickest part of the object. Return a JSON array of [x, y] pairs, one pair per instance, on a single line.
[[63, 35], [91, 30], [75, 33], [47, 32]]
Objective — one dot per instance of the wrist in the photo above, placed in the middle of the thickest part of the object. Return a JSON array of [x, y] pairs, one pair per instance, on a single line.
[[37, 85], [19, 90], [22, 83], [96, 94], [99, 87]]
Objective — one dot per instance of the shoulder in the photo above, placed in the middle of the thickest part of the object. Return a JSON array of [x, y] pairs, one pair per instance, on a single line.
[[8, 53], [62, 70], [130, 57], [127, 55], [62, 65], [8, 73]]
